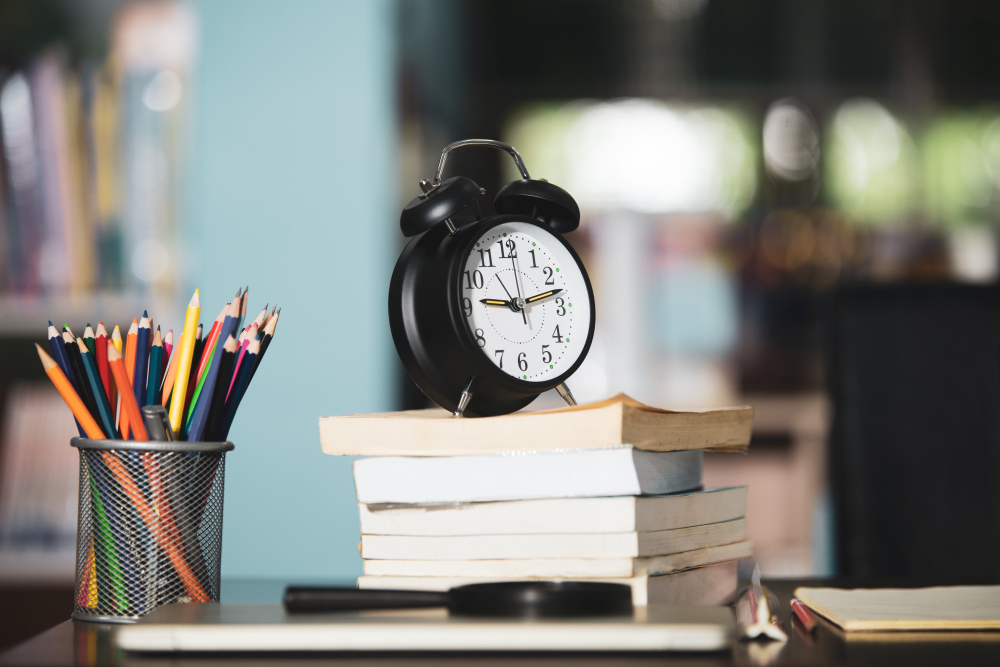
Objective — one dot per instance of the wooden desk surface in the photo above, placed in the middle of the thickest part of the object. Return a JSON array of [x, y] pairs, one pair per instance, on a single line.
[[74, 643]]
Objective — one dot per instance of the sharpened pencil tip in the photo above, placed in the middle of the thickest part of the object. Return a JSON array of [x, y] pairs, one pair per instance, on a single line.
[[144, 314], [50, 324]]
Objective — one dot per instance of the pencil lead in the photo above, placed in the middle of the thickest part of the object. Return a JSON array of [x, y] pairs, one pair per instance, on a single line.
[[144, 314], [50, 322]]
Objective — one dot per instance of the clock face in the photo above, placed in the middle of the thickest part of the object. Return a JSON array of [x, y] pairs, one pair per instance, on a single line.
[[526, 302]]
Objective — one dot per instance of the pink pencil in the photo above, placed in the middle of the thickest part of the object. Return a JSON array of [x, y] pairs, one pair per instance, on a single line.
[[168, 344], [248, 335]]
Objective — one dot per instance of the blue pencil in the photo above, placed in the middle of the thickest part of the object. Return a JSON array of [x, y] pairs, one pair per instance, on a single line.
[[144, 338], [239, 389], [200, 418], [104, 415], [59, 354]]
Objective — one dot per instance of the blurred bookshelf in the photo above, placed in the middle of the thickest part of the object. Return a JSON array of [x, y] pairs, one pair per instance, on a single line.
[[93, 122], [24, 316]]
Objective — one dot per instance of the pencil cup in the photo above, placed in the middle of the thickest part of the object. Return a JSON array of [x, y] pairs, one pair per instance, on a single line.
[[150, 526]]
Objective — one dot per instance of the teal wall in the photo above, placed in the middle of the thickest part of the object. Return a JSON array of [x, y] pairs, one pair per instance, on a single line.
[[292, 190]]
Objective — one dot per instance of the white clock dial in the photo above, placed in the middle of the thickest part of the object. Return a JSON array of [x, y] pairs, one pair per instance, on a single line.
[[525, 301]]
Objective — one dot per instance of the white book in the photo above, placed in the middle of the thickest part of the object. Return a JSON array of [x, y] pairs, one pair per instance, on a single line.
[[712, 585], [579, 473], [243, 628], [559, 568], [600, 545], [617, 514]]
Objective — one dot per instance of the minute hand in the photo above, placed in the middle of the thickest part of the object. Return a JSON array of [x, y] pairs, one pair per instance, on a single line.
[[543, 295]]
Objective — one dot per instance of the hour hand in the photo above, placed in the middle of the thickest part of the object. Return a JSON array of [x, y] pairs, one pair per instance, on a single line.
[[543, 295], [499, 303]]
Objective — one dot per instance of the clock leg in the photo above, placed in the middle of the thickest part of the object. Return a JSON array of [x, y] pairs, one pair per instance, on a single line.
[[463, 400], [567, 395]]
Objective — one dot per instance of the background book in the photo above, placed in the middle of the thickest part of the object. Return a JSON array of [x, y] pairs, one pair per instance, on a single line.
[[39, 478]]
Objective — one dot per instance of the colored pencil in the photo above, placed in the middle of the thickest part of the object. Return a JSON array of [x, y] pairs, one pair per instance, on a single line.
[[243, 309], [259, 320], [155, 366], [239, 390], [265, 342], [88, 338], [73, 352], [201, 404], [198, 376], [185, 353], [129, 405], [116, 340], [69, 395], [245, 338], [109, 562], [104, 417], [191, 584], [139, 376], [101, 359], [168, 345], [168, 380], [59, 354], [218, 402], [131, 339]]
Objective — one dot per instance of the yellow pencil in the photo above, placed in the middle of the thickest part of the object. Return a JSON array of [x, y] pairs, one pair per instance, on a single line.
[[185, 353]]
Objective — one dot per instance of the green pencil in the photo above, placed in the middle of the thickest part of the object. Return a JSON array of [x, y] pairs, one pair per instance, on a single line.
[[89, 340], [155, 370]]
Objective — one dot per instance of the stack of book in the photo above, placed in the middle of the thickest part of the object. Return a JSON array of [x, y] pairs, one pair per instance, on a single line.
[[610, 491]]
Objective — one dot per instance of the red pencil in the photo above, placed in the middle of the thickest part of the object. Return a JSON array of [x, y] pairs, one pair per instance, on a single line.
[[198, 365], [101, 358]]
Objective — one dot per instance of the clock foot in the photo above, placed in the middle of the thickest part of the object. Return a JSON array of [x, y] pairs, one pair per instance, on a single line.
[[463, 400], [567, 395]]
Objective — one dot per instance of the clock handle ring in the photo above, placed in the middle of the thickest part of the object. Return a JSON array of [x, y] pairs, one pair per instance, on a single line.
[[480, 142]]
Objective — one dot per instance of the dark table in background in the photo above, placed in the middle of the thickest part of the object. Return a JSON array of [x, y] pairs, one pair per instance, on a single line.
[[73, 643]]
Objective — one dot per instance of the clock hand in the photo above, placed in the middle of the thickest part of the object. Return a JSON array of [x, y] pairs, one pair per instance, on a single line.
[[543, 295], [505, 287], [517, 284], [500, 303]]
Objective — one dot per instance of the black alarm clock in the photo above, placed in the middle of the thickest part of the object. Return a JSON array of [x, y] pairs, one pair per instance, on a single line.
[[487, 313]]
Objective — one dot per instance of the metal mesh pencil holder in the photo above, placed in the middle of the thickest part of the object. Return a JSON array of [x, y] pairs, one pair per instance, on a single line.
[[150, 526]]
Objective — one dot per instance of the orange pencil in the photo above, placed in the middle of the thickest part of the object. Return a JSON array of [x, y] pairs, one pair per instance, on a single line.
[[129, 407], [70, 396], [131, 340], [155, 526], [168, 380]]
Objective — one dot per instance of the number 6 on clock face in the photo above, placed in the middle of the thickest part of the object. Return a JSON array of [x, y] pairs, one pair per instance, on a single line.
[[526, 301]]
